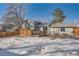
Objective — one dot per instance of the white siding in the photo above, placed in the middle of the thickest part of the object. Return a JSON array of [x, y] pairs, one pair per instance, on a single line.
[[53, 30], [41, 28], [69, 31], [58, 31]]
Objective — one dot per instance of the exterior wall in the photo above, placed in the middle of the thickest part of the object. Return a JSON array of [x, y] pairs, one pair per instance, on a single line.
[[32, 26], [51, 31], [41, 29], [48, 30], [68, 31], [24, 25]]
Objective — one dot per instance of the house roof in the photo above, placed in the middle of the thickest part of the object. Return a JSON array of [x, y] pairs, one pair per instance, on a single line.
[[43, 24], [4, 26], [63, 25]]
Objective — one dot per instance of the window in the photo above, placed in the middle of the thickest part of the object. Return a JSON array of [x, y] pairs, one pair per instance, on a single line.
[[62, 29]]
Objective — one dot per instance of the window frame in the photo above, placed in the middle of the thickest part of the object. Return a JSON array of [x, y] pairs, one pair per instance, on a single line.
[[62, 29]]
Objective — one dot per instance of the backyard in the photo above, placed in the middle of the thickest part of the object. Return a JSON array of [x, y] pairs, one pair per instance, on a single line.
[[38, 46]]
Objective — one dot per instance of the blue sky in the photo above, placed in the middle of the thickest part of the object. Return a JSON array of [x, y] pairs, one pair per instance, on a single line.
[[42, 11]]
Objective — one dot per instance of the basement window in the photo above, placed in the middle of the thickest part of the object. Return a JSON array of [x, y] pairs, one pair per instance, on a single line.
[[62, 29]]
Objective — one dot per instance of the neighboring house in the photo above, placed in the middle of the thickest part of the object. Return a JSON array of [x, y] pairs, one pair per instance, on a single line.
[[43, 26], [36, 25], [10, 28], [28, 24], [24, 25], [40, 26], [62, 28], [43, 29], [7, 28], [33, 25], [1, 28]]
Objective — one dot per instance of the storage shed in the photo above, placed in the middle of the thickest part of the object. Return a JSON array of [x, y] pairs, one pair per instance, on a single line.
[[63, 28]]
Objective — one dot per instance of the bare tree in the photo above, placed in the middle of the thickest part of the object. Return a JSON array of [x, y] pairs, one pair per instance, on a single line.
[[15, 14]]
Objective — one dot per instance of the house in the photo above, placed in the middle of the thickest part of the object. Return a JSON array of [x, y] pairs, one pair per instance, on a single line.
[[29, 24], [25, 30], [35, 26], [63, 28], [4, 27], [43, 29], [10, 27], [8, 30]]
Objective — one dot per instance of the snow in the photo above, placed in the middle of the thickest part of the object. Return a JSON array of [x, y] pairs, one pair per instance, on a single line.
[[39, 46]]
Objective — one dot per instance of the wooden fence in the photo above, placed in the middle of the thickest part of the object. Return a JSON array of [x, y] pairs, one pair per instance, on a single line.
[[21, 32], [4, 34], [25, 32]]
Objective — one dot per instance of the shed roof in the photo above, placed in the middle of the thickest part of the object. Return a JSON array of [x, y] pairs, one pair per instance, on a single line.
[[63, 25]]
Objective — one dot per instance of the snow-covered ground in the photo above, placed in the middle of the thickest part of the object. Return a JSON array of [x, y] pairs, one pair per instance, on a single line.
[[38, 46]]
